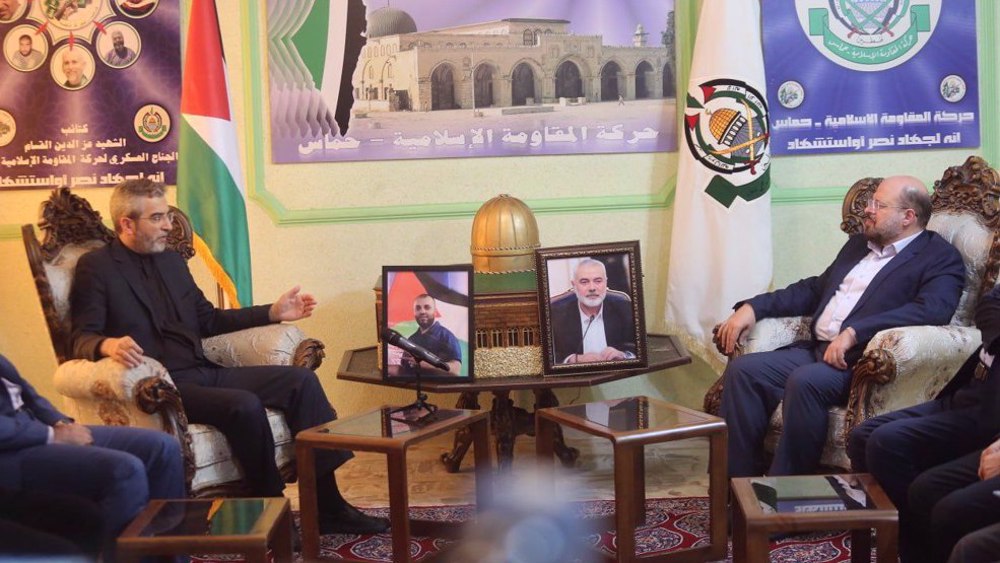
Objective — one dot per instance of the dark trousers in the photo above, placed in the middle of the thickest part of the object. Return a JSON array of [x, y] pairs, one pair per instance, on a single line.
[[755, 384], [50, 524], [981, 546], [898, 446], [233, 400], [948, 502]]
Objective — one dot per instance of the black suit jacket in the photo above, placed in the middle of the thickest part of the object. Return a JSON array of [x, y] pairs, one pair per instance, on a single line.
[[920, 286], [988, 322], [567, 333], [109, 299]]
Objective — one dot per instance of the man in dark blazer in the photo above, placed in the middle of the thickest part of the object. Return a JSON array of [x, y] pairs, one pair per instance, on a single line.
[[895, 274], [595, 312], [927, 457], [134, 298], [44, 451]]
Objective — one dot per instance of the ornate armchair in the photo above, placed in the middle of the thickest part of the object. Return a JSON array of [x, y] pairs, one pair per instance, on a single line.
[[904, 366], [106, 392]]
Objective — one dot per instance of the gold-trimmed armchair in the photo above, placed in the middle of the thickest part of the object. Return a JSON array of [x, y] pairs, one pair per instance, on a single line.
[[904, 366], [106, 392]]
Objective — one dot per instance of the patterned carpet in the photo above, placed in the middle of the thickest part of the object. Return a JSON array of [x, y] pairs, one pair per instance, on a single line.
[[672, 524]]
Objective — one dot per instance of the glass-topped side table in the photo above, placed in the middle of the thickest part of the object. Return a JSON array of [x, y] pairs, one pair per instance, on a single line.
[[856, 502], [631, 424], [383, 431], [179, 527]]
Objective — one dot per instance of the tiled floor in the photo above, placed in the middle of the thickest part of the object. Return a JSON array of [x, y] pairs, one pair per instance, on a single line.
[[672, 469]]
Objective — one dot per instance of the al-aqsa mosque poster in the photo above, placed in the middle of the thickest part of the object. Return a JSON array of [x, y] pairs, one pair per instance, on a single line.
[[408, 79]]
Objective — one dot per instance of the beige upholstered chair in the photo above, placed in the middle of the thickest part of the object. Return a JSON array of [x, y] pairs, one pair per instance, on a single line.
[[106, 392], [904, 366]]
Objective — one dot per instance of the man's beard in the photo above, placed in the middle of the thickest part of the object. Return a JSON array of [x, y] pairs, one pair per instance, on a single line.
[[879, 235], [425, 322], [592, 300]]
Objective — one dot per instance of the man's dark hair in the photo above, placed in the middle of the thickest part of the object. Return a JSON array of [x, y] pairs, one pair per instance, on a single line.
[[23, 37], [917, 199]]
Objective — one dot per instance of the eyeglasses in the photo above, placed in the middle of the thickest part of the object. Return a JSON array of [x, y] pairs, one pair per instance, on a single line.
[[159, 218], [877, 205]]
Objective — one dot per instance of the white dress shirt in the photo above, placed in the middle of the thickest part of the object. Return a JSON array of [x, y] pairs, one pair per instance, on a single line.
[[853, 286], [14, 390], [594, 338]]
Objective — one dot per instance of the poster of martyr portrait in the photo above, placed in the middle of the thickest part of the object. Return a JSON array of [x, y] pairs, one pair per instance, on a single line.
[[373, 80], [89, 90]]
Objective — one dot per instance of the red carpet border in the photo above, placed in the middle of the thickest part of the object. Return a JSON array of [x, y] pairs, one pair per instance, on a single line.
[[671, 524]]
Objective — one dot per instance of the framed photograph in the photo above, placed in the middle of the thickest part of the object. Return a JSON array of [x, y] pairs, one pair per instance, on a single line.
[[590, 307], [427, 323]]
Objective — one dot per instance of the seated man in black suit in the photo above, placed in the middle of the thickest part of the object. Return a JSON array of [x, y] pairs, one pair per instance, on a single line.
[[592, 324], [134, 298], [927, 457]]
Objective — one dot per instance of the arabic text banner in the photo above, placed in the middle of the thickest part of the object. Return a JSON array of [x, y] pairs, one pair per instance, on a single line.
[[88, 92], [425, 79], [863, 76]]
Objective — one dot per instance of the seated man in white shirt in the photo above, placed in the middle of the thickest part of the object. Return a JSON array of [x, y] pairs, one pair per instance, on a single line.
[[895, 274]]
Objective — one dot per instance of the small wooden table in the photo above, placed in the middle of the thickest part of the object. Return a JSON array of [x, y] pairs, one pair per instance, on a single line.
[[630, 424], [765, 505], [383, 431], [508, 421], [232, 525]]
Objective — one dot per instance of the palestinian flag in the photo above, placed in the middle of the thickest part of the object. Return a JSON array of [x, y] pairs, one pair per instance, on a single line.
[[210, 185]]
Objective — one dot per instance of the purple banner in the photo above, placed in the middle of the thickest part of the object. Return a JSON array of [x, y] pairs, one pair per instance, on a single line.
[[89, 92], [857, 75]]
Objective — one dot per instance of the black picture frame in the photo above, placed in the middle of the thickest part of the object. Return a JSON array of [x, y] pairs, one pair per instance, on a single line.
[[620, 310], [450, 290]]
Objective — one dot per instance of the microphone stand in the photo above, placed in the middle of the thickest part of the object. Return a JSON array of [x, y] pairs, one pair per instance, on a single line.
[[420, 405]]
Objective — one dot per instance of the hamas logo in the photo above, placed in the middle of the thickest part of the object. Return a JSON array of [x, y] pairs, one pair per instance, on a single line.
[[868, 35], [152, 123], [726, 128]]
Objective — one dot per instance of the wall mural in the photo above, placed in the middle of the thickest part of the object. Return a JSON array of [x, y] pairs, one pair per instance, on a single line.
[[425, 79], [88, 90]]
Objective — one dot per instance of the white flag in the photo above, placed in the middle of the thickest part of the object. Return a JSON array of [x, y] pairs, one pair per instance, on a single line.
[[720, 247]]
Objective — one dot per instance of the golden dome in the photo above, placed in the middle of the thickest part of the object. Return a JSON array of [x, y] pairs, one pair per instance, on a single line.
[[504, 236], [722, 122]]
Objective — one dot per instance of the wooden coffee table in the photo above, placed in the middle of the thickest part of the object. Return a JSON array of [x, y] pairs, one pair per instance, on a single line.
[[382, 431], [237, 525], [507, 421], [630, 424], [765, 505]]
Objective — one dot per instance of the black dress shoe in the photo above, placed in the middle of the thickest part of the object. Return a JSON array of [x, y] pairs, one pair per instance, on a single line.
[[350, 520]]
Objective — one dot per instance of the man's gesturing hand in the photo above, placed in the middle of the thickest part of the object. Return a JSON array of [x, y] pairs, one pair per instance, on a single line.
[[123, 350], [292, 306]]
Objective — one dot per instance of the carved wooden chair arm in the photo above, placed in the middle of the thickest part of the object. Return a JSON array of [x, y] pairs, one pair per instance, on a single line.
[[905, 366], [106, 392], [276, 344]]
